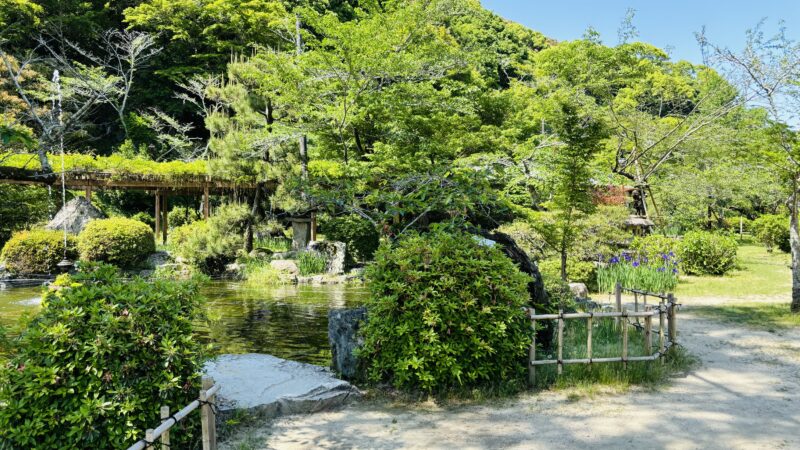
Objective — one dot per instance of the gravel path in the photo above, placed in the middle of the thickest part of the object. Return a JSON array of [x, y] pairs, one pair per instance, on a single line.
[[746, 394]]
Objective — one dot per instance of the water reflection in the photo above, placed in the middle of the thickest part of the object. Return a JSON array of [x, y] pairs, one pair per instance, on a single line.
[[287, 321]]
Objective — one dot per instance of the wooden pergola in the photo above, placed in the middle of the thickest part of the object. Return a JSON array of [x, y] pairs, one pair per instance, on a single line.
[[161, 187]]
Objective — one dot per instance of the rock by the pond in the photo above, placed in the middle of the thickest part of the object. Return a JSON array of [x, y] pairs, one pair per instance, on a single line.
[[343, 326], [284, 255], [260, 253], [158, 259], [334, 252], [285, 265], [272, 387], [75, 214], [579, 290]]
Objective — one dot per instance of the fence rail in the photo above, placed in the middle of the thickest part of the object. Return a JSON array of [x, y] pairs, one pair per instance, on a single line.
[[667, 331], [205, 402]]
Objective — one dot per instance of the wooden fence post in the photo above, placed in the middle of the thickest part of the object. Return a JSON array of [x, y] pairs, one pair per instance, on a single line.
[[532, 352], [589, 326], [560, 341], [662, 344], [624, 323], [648, 331], [207, 417], [165, 435], [618, 297], [671, 319]]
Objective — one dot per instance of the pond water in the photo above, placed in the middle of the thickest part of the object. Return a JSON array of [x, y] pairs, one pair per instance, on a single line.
[[286, 321]]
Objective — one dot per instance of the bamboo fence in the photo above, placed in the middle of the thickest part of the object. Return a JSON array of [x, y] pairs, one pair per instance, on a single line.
[[667, 331], [208, 420]]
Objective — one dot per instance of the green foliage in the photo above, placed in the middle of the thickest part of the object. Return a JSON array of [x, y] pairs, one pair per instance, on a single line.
[[181, 215], [146, 219], [23, 207], [652, 247], [37, 251], [577, 271], [311, 263], [557, 289], [120, 241], [94, 364], [705, 253], [359, 234], [213, 243], [445, 312], [772, 230]]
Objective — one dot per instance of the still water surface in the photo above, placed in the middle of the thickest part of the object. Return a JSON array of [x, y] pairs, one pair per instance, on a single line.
[[286, 321]]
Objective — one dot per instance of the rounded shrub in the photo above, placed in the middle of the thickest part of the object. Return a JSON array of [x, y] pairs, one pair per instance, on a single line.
[[445, 312], [120, 241], [37, 251], [577, 271], [359, 234], [93, 365], [772, 230], [704, 253]]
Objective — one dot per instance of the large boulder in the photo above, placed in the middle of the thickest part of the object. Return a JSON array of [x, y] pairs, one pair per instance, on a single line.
[[579, 290], [343, 335], [285, 265], [334, 252], [75, 214], [271, 386]]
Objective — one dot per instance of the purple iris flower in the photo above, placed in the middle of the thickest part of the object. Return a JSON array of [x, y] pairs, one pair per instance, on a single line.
[[671, 254], [636, 264], [664, 256], [662, 269], [645, 260], [675, 271], [613, 260], [627, 256]]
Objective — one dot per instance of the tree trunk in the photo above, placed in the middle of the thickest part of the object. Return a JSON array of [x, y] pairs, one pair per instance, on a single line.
[[563, 262], [248, 232], [794, 240]]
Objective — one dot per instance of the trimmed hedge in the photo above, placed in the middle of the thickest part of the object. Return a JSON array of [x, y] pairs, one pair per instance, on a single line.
[[445, 312], [37, 251], [120, 241], [95, 363]]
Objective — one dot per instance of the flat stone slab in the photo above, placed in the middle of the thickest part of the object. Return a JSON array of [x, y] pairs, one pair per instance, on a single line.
[[272, 387]]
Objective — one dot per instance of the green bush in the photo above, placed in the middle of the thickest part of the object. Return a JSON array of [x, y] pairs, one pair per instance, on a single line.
[[211, 244], [577, 271], [772, 230], [118, 240], [310, 263], [181, 215], [359, 234], [146, 219], [559, 291], [95, 363], [37, 251], [653, 247], [445, 312], [704, 253]]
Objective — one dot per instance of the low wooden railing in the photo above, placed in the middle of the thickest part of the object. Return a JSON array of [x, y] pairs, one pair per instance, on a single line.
[[667, 331], [208, 420]]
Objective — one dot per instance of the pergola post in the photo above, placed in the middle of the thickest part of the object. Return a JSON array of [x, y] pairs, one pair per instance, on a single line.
[[88, 193], [313, 226], [205, 202], [164, 221], [158, 212]]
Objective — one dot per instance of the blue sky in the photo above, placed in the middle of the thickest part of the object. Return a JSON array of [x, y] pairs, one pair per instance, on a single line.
[[665, 23]]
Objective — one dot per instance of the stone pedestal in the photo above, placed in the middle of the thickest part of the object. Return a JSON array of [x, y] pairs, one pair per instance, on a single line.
[[301, 233], [343, 326]]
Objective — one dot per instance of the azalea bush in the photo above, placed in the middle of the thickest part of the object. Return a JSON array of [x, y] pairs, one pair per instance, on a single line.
[[93, 366], [704, 253], [445, 312], [772, 230], [211, 244], [37, 251], [120, 241]]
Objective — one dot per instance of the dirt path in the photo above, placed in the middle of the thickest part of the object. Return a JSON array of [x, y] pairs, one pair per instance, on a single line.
[[746, 394]]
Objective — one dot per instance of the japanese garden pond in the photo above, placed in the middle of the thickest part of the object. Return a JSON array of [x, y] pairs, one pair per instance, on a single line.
[[289, 321]]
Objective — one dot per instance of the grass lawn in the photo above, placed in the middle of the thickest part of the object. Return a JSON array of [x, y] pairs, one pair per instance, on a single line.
[[760, 274]]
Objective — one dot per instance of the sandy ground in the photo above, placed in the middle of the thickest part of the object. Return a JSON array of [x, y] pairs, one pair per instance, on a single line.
[[745, 395]]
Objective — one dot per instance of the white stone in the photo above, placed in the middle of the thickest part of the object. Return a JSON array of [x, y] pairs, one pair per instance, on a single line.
[[75, 214], [272, 387], [579, 290]]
